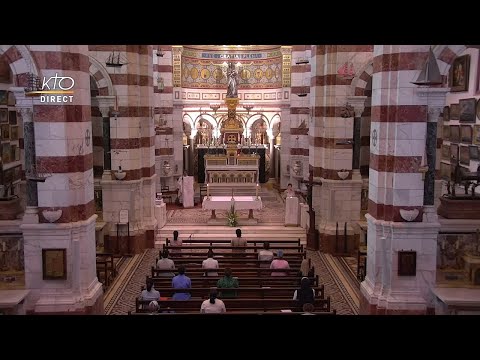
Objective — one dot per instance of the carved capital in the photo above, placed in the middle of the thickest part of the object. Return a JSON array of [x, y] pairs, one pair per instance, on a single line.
[[434, 113], [358, 104], [26, 114]]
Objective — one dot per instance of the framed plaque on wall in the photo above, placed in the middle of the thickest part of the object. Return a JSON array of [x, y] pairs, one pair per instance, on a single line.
[[54, 264]]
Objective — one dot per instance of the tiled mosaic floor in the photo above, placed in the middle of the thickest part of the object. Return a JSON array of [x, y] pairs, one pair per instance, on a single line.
[[121, 296]]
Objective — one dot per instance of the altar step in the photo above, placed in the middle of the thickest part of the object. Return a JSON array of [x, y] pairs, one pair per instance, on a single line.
[[257, 232], [263, 193]]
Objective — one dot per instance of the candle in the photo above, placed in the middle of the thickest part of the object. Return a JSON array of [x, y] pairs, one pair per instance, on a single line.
[[443, 244], [457, 244], [257, 190], [4, 246], [208, 191]]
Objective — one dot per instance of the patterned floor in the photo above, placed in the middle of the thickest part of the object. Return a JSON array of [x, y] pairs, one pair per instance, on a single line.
[[120, 298]]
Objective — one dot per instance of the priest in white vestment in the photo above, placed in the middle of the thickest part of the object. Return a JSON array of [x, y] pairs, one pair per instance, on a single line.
[[185, 190]]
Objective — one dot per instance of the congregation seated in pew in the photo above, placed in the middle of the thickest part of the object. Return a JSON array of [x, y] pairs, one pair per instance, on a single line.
[[279, 263], [213, 305], [239, 243], [181, 281], [150, 293], [265, 255], [210, 263], [164, 263], [176, 244], [228, 281], [305, 294]]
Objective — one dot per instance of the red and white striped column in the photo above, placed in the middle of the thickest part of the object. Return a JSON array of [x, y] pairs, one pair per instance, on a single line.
[[331, 136], [295, 144], [396, 189], [63, 144], [132, 149], [163, 100]]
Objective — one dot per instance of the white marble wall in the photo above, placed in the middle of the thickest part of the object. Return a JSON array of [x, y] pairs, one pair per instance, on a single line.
[[81, 288]]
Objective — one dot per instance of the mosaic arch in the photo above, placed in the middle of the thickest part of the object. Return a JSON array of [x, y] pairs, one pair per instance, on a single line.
[[204, 68]]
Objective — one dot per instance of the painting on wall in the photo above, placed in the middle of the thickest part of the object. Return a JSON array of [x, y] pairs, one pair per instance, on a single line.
[[476, 134], [446, 132], [466, 134], [454, 111], [477, 83], [5, 129], [478, 109], [455, 133], [464, 155], [467, 110], [473, 152], [11, 99], [3, 97], [12, 117], [6, 153], [446, 113], [13, 133], [454, 153], [459, 74], [3, 115], [446, 152], [445, 171]]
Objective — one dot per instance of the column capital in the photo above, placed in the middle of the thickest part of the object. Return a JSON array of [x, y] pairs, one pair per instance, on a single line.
[[432, 96], [193, 133], [26, 113], [104, 103], [434, 113], [358, 104]]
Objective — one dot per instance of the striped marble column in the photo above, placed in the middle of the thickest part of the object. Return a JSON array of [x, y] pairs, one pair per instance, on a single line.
[[63, 145], [132, 141], [396, 190], [163, 101], [337, 201], [296, 142]]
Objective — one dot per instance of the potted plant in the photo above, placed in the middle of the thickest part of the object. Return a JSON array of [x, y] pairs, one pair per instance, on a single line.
[[232, 216]]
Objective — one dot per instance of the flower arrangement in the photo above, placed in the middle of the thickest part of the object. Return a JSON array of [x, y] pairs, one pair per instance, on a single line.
[[232, 216]]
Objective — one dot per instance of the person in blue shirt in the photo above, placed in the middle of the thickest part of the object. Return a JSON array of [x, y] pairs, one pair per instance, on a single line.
[[181, 281]]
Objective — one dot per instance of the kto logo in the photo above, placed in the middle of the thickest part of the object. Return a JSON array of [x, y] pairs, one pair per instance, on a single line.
[[56, 89]]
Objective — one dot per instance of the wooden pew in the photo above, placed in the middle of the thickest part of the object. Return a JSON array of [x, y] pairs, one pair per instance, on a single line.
[[253, 248], [234, 313], [232, 263], [242, 292], [230, 255], [207, 282], [106, 264], [237, 271], [232, 305], [225, 241]]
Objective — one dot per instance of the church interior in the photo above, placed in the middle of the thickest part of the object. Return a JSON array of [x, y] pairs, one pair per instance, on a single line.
[[353, 169]]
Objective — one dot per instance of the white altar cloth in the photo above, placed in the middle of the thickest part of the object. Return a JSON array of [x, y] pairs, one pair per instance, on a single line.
[[225, 202]]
